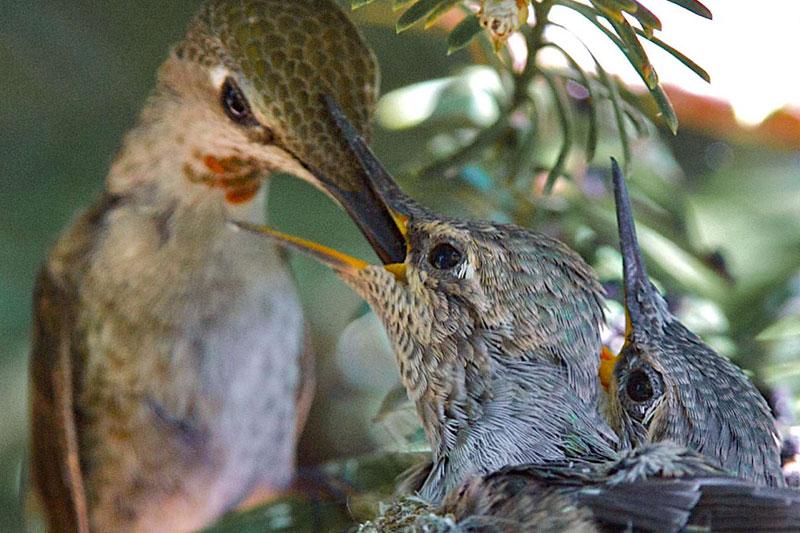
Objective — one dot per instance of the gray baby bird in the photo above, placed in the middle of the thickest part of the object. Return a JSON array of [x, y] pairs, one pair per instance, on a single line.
[[668, 385]]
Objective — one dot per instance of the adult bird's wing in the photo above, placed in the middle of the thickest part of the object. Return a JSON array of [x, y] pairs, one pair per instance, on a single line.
[[55, 465]]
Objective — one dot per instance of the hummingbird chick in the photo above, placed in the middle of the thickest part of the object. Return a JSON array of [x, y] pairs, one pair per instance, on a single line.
[[668, 385], [483, 355], [496, 333], [166, 384]]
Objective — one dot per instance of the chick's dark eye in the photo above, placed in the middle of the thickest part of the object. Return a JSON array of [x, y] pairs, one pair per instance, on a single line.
[[235, 104], [639, 387], [444, 256]]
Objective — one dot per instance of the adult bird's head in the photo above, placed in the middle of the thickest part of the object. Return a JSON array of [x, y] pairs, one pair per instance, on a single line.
[[468, 307], [667, 384], [239, 98]]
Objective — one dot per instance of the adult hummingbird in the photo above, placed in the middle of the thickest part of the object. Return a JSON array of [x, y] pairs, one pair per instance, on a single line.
[[667, 384], [166, 384], [471, 314], [490, 324]]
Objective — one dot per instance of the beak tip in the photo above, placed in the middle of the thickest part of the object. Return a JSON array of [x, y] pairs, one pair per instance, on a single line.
[[641, 296]]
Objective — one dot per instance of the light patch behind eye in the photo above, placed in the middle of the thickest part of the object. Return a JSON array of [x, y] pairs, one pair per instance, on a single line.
[[218, 75], [465, 271]]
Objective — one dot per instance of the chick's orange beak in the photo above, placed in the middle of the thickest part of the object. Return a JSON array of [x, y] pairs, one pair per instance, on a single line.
[[607, 363], [377, 206], [399, 269]]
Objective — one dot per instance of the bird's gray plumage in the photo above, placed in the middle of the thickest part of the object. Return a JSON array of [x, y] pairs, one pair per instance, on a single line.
[[489, 351], [657, 487]]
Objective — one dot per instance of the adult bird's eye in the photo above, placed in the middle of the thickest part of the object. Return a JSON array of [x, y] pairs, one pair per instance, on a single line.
[[444, 256], [639, 387], [235, 104]]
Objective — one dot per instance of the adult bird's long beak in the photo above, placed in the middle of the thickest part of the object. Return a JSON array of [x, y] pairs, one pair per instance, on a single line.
[[379, 178], [375, 220], [377, 205]]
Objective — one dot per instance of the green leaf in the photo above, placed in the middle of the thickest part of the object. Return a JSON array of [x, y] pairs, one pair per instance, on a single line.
[[355, 4], [695, 7], [401, 4], [616, 5], [525, 149], [665, 108], [647, 19], [562, 109], [635, 117], [416, 13], [591, 142], [785, 328], [635, 52], [605, 79], [626, 41], [440, 10], [632, 48], [632, 108], [697, 69], [629, 106], [463, 34], [485, 138], [608, 13]]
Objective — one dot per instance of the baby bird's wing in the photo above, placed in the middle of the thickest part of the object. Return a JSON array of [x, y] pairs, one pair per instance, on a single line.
[[702, 504], [658, 489]]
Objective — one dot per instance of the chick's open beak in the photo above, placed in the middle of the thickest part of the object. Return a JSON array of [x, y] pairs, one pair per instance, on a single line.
[[336, 260], [371, 197], [378, 206], [607, 363], [344, 264], [399, 268], [372, 217]]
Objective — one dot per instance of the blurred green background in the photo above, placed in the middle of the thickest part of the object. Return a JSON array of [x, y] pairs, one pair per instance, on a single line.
[[720, 221]]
